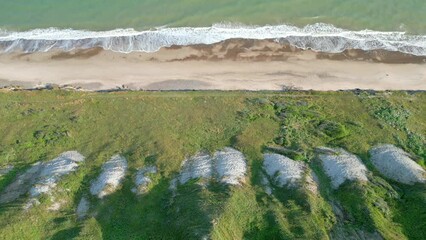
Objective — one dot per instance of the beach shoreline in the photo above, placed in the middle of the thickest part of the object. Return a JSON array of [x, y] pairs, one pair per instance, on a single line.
[[237, 64]]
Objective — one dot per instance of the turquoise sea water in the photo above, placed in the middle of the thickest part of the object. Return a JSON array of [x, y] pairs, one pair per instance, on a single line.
[[381, 15], [405, 18]]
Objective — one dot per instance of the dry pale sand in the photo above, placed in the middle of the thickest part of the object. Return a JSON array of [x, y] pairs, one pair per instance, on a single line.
[[230, 65]]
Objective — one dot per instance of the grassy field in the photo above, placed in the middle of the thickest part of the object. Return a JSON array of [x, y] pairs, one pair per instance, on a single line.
[[162, 128]]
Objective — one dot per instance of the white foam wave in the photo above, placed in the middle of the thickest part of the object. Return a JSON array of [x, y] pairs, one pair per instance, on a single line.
[[318, 37]]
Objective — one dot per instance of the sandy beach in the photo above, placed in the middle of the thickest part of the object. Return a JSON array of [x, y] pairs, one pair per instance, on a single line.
[[230, 65]]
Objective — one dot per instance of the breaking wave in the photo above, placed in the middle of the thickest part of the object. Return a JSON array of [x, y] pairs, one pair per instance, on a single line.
[[318, 37]]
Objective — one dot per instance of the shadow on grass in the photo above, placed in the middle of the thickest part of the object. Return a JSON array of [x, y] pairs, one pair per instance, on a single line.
[[9, 210], [158, 214], [195, 208], [304, 215], [349, 204], [123, 215], [69, 233], [269, 230], [411, 211], [290, 212], [83, 190], [13, 208]]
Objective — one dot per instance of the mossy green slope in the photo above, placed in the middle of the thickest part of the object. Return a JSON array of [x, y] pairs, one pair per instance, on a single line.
[[162, 128]]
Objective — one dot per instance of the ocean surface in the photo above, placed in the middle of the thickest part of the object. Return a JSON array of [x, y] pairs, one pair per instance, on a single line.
[[147, 25]]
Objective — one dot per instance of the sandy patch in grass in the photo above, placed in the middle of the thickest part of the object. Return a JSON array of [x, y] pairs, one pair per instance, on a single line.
[[30, 203], [340, 166], [113, 172], [56, 205], [312, 182], [397, 165]]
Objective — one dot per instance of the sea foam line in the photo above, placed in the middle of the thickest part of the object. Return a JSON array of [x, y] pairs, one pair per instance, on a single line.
[[318, 37]]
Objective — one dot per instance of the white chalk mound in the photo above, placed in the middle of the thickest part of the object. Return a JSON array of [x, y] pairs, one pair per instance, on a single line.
[[198, 166], [230, 166], [227, 166], [340, 166], [42, 177], [52, 171], [113, 172], [396, 164], [142, 179], [283, 170]]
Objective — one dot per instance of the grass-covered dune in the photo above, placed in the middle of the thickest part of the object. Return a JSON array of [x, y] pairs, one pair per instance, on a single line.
[[162, 129]]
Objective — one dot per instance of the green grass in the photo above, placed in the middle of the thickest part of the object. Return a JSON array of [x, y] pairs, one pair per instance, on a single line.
[[162, 128]]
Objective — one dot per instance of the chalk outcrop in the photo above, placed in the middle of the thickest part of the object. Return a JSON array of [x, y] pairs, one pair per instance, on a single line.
[[341, 166], [198, 166], [142, 179], [227, 166], [394, 163], [230, 166], [42, 177], [283, 170], [52, 171], [111, 177]]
